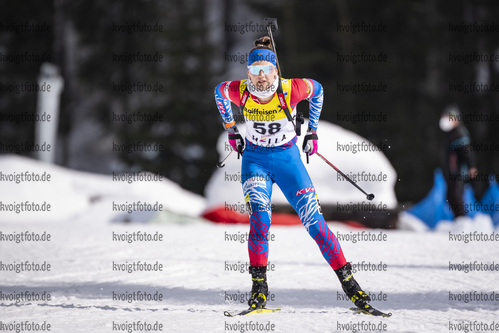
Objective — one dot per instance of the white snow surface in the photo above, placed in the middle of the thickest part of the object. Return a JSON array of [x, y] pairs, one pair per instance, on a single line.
[[336, 144], [406, 273], [70, 192]]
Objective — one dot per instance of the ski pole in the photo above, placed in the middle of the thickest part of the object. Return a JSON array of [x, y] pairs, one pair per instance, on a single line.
[[369, 196], [222, 163]]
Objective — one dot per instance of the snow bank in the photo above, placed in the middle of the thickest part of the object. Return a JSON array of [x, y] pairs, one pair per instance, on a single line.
[[70, 193], [480, 223], [349, 152]]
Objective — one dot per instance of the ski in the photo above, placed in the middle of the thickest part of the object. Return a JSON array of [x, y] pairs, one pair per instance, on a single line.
[[369, 310], [250, 311]]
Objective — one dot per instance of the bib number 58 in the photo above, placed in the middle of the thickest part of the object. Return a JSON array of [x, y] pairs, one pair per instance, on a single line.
[[271, 128]]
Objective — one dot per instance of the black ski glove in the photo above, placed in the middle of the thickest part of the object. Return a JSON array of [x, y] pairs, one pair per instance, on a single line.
[[236, 140], [310, 141]]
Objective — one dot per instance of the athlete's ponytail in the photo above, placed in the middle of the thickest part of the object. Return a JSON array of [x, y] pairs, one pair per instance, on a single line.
[[263, 43]]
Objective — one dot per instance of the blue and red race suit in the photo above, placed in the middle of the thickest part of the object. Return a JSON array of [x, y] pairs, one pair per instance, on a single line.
[[272, 156]]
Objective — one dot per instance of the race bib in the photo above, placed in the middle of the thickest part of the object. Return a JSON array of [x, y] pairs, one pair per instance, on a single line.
[[267, 124]]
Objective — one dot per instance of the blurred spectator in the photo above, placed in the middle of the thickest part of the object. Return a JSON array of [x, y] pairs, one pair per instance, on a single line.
[[458, 159]]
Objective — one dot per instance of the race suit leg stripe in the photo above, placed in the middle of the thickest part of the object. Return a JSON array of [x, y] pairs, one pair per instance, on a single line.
[[257, 189], [297, 186]]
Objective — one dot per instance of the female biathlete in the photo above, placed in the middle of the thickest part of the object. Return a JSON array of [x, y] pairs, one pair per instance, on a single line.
[[270, 155]]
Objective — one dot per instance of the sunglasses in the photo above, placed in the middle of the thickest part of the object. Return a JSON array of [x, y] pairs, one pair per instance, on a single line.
[[255, 70]]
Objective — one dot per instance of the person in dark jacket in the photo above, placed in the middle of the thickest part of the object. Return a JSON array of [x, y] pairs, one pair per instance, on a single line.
[[459, 164]]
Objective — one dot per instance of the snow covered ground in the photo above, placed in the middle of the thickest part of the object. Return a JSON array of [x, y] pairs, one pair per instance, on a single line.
[[431, 281]]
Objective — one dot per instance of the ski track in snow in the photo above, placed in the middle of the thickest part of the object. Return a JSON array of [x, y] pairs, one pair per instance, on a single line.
[[198, 283], [204, 267]]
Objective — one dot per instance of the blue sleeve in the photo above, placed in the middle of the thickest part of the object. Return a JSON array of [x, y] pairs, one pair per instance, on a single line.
[[316, 100], [223, 103]]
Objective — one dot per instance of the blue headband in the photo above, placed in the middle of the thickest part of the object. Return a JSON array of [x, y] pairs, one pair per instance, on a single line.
[[262, 55]]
